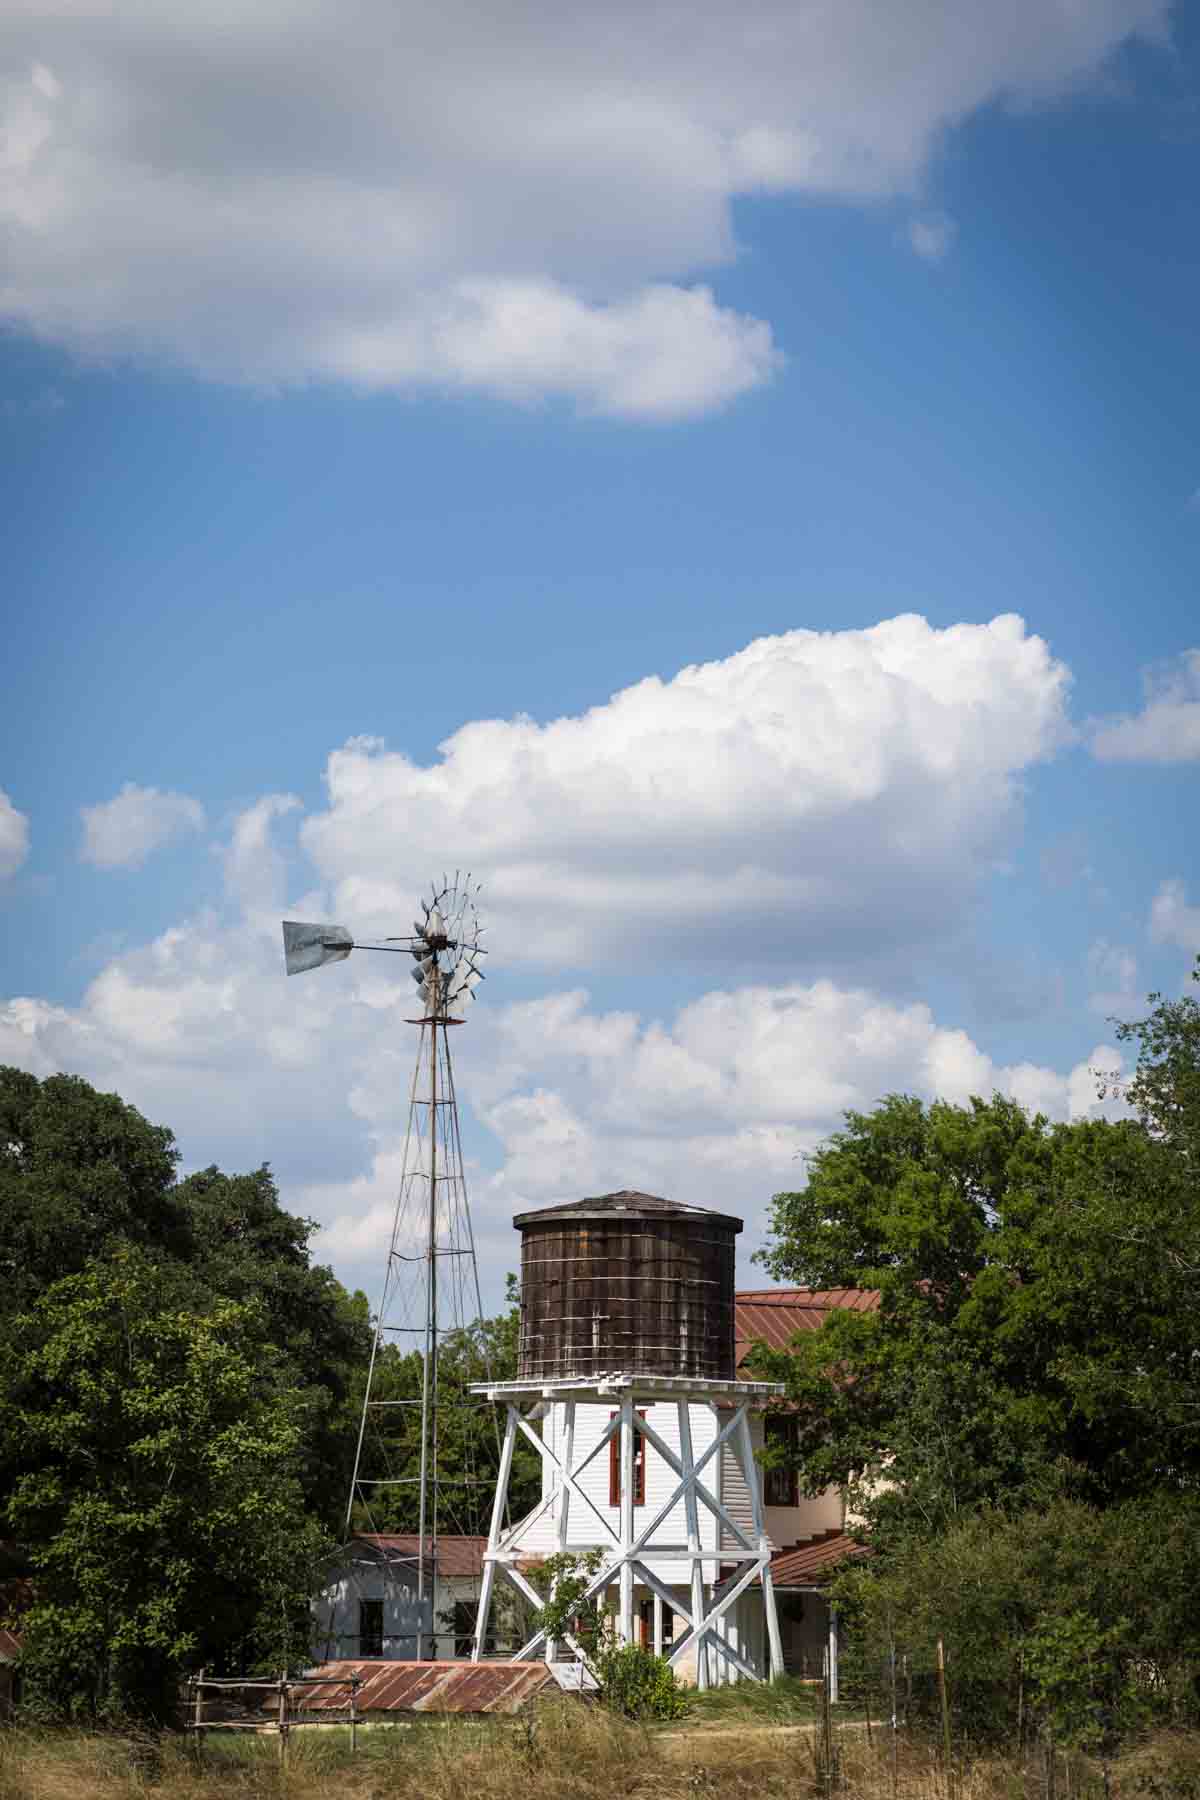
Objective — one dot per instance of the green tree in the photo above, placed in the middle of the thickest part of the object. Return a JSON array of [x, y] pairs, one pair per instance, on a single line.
[[1026, 1341], [82, 1175], [1165, 1089], [160, 1444], [242, 1245], [80, 1172]]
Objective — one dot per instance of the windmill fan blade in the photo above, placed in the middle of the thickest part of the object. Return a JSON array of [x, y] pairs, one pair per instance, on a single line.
[[309, 946]]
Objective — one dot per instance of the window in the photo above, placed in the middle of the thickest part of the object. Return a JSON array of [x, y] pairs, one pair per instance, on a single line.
[[646, 1626], [781, 1487], [639, 1466], [370, 1628], [464, 1630]]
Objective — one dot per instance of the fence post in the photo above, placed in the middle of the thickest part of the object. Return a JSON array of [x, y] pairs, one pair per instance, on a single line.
[[941, 1674], [283, 1728], [827, 1722], [895, 1726]]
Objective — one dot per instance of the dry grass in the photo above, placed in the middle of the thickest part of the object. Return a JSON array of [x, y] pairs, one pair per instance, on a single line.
[[565, 1752]]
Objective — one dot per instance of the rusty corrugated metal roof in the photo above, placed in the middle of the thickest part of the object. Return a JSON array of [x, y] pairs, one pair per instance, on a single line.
[[451, 1687], [455, 1555], [775, 1315], [811, 1564]]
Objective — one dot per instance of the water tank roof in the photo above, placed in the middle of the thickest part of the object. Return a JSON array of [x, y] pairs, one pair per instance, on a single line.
[[629, 1203]]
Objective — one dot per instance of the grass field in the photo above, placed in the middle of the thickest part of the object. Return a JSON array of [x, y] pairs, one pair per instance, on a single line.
[[567, 1751]]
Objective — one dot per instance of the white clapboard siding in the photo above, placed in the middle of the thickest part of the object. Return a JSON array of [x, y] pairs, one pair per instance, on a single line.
[[583, 1529], [735, 1495]]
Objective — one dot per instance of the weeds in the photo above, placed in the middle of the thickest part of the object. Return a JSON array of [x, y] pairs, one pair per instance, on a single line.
[[569, 1751]]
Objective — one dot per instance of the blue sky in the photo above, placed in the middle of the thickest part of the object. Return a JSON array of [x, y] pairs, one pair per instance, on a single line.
[[535, 364]]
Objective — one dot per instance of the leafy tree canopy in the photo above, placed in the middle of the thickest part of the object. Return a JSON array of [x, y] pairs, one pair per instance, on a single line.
[[1036, 1326], [84, 1176], [181, 1395], [160, 1493]]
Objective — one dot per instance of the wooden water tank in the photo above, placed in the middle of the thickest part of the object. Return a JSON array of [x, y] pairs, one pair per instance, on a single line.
[[626, 1284]]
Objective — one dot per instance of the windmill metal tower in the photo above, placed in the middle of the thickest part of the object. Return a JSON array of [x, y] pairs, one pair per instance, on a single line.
[[431, 1279]]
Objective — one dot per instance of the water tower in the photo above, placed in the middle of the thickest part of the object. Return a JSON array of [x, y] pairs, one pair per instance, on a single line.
[[627, 1363]]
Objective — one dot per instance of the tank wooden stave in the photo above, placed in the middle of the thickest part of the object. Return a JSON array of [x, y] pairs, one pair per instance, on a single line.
[[611, 1285]]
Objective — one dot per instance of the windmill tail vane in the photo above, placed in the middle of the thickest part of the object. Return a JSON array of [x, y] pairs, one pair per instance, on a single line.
[[444, 945]]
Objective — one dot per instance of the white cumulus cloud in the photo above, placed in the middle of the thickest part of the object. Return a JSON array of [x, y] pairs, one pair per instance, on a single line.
[[14, 837], [518, 198], [716, 1104], [817, 789], [1167, 730], [121, 833]]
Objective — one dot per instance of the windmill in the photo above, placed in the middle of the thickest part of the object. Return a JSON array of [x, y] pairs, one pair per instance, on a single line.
[[431, 1279]]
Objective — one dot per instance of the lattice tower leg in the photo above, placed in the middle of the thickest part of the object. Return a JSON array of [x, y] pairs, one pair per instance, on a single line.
[[564, 1503], [750, 1467], [498, 1505], [691, 1513], [627, 1499]]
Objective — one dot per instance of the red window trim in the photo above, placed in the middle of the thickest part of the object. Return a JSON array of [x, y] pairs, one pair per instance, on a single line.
[[639, 1466]]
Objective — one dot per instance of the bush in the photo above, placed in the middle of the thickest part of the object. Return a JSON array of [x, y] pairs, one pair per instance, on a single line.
[[1068, 1622], [636, 1683]]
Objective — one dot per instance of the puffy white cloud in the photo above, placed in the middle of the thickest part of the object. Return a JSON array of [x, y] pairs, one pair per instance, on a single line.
[[201, 1030], [826, 791], [14, 837], [255, 871], [663, 353], [1172, 920], [1167, 730], [811, 791], [121, 833], [510, 198], [717, 1107]]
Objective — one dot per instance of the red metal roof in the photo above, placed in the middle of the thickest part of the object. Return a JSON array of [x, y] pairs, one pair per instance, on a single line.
[[456, 1555], [454, 1687], [811, 1564], [776, 1315]]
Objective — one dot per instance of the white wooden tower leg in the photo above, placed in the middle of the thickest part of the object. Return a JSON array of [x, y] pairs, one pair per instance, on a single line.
[[774, 1645], [627, 1466], [693, 1538], [564, 1503], [498, 1505]]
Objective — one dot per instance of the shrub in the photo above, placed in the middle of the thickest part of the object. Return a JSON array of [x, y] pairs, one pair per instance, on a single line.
[[636, 1683]]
